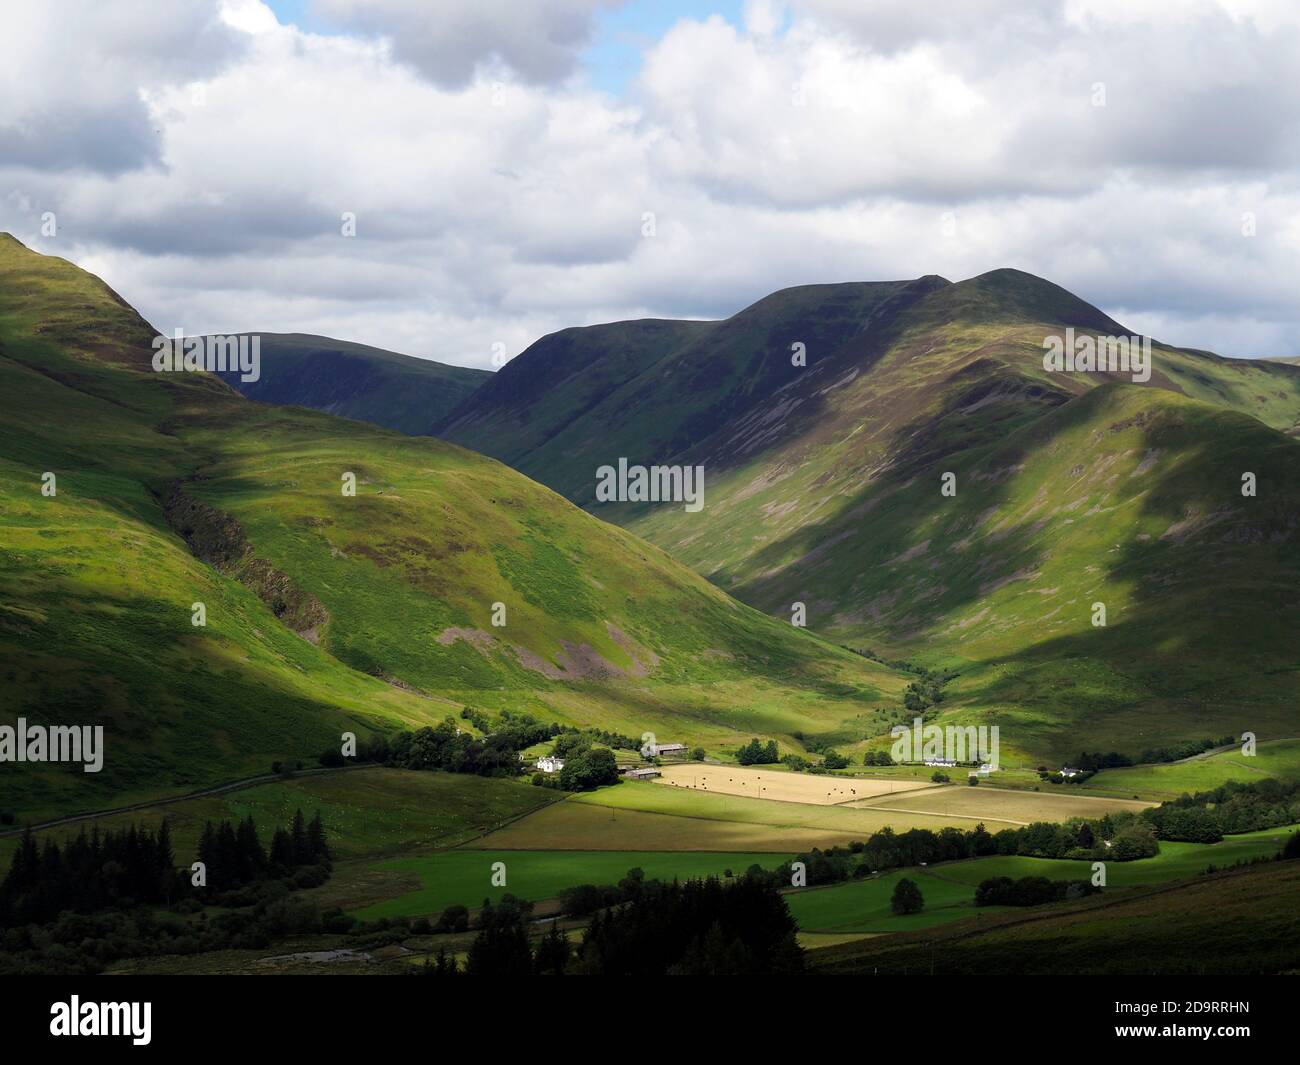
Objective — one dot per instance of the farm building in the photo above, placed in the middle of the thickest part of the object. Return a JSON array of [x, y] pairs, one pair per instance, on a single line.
[[644, 772], [550, 764], [672, 750], [1067, 772], [946, 763]]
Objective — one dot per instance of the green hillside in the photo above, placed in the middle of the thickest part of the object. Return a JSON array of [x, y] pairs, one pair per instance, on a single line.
[[1239, 922], [325, 612], [823, 488], [357, 381]]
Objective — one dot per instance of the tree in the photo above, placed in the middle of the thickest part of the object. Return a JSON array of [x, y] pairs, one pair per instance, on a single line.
[[907, 898], [1291, 849], [553, 952], [501, 947], [588, 770], [317, 846], [1136, 840], [756, 753], [455, 918], [298, 836], [698, 754], [281, 852]]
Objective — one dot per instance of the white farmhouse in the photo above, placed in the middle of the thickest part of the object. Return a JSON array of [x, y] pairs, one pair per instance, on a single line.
[[550, 764]]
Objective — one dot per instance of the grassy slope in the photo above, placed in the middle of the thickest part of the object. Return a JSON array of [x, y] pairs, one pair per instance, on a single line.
[[826, 491], [1279, 759], [1244, 921], [464, 877], [357, 381], [863, 905], [369, 813], [96, 589], [648, 390]]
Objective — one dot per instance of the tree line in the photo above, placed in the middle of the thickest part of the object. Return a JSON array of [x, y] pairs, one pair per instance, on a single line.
[[701, 927], [105, 895]]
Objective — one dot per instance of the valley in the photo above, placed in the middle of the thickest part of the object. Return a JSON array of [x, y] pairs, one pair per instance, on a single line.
[[232, 588]]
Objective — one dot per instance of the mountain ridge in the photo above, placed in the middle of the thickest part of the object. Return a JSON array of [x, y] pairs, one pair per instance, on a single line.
[[323, 611]]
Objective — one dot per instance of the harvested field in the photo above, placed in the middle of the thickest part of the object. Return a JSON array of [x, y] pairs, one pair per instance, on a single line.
[[765, 783]]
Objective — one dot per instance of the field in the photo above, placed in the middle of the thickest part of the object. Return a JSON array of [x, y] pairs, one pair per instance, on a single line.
[[957, 806], [692, 803], [1176, 861], [573, 825], [1002, 806], [465, 876], [367, 812], [863, 906], [1245, 921], [1278, 758], [780, 785]]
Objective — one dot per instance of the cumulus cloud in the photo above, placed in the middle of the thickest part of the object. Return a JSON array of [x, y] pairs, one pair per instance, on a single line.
[[819, 141], [539, 41], [74, 75]]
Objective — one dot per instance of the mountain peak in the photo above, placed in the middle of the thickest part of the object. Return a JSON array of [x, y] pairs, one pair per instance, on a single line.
[[1017, 294]]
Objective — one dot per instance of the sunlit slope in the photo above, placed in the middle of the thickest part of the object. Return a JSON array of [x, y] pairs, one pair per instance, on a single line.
[[96, 591], [598, 626], [1071, 488], [1126, 497], [325, 612]]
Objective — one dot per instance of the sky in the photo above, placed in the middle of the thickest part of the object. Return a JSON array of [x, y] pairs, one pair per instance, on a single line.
[[457, 179]]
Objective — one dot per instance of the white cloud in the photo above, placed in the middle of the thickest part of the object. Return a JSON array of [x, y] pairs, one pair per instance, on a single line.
[[819, 143], [450, 42], [72, 74]]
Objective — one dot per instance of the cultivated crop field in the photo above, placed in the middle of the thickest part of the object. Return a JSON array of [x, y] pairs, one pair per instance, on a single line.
[[767, 783], [1002, 806], [584, 826], [692, 802]]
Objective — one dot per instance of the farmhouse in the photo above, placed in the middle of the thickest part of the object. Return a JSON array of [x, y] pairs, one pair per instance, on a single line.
[[945, 762], [673, 750], [550, 764], [644, 772], [1068, 772]]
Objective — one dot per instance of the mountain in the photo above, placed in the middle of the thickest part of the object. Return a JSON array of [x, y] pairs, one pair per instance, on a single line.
[[325, 612], [823, 487], [356, 381]]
